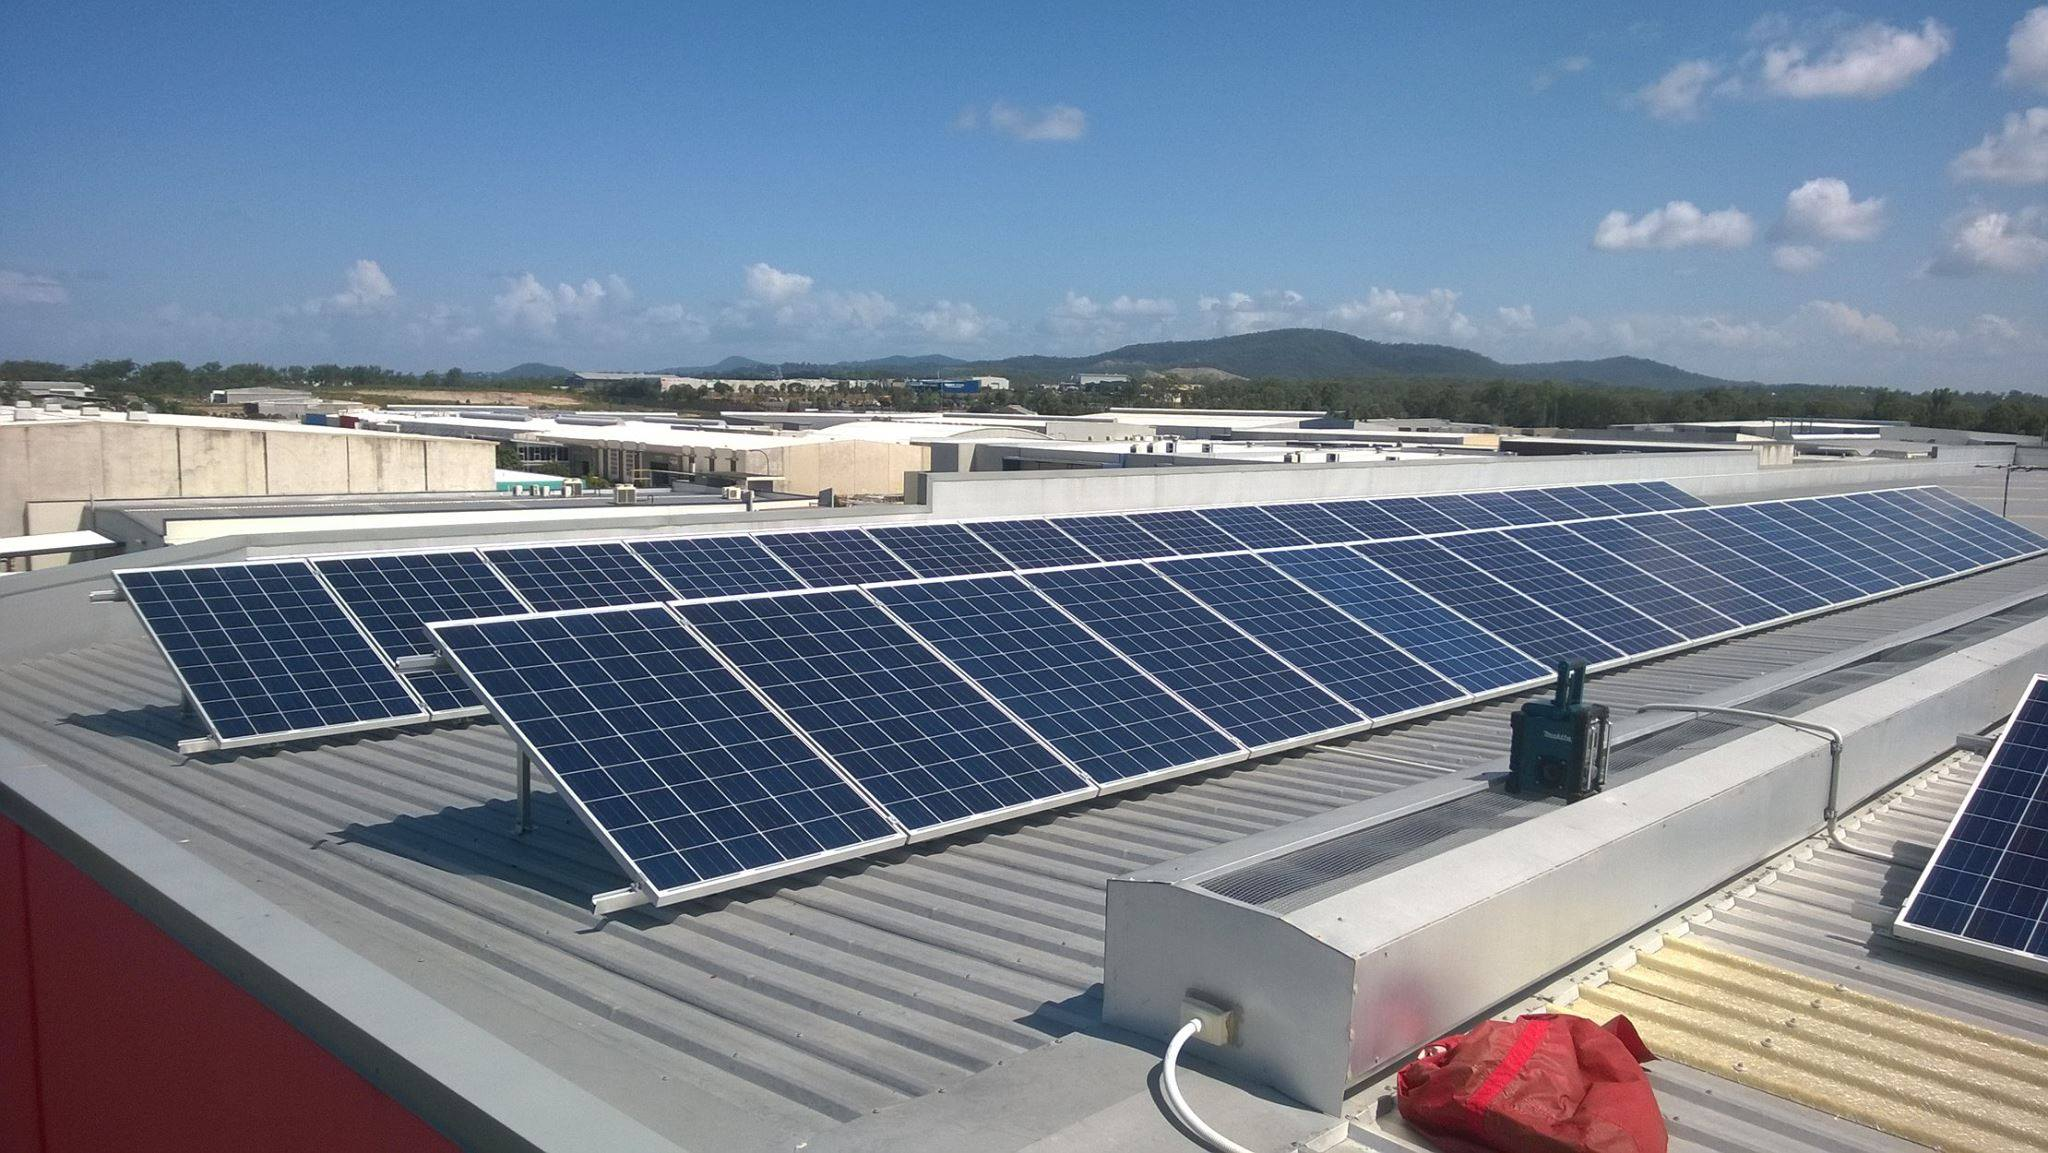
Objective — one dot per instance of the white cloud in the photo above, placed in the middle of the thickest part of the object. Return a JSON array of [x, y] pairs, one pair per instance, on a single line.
[[1679, 93], [1987, 240], [2026, 51], [1868, 61], [1990, 326], [28, 288], [1797, 257], [1567, 66], [1679, 224], [1240, 312], [530, 307], [1845, 320], [955, 322], [2016, 155], [1518, 318], [366, 290], [1082, 321], [768, 283], [1054, 122], [1431, 315], [1823, 209]]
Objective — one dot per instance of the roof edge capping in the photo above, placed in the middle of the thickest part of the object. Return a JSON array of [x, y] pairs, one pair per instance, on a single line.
[[469, 1085]]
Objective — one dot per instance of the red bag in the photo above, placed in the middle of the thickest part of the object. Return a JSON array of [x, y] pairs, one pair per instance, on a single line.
[[1546, 1083]]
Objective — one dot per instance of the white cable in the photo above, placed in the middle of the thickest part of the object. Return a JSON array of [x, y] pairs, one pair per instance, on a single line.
[[1179, 1104]]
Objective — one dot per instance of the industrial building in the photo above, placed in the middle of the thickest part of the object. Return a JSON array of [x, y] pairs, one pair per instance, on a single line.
[[54, 465], [359, 943]]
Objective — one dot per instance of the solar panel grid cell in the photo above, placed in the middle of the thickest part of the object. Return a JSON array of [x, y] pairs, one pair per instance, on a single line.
[[1968, 515], [266, 651], [1507, 508], [661, 749], [1811, 567], [1209, 664], [1440, 638], [939, 550], [1736, 566], [1619, 625], [1029, 544], [1253, 527], [1500, 609], [1467, 513], [1310, 634], [1798, 519], [1653, 598], [1368, 520], [1621, 498], [1583, 500], [397, 596], [1546, 503], [1662, 494], [1113, 537], [1418, 515], [1627, 541], [1082, 697], [581, 576], [1316, 523], [1864, 525], [1880, 516], [832, 559], [920, 738], [715, 566], [1185, 532]]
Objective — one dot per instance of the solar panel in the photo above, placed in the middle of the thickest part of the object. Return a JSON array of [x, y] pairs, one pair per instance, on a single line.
[[1558, 590], [1991, 524], [1583, 501], [1226, 675], [1780, 551], [686, 777], [1317, 523], [1032, 543], [1627, 541], [1185, 533], [1368, 519], [1419, 516], [1440, 638], [1310, 634], [1075, 692], [1113, 537], [266, 652], [578, 576], [1634, 587], [1881, 518], [1662, 494], [830, 559], [1985, 892], [715, 566], [1736, 566], [1499, 609], [1505, 507], [1254, 527], [395, 597], [917, 736], [1954, 535], [1798, 518], [1863, 525], [1467, 512], [938, 550], [1620, 498], [1551, 506]]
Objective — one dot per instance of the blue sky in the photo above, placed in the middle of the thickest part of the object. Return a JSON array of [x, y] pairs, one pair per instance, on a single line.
[[1839, 195]]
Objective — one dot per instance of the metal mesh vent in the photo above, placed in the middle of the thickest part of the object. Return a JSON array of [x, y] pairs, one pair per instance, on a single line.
[[1292, 880]]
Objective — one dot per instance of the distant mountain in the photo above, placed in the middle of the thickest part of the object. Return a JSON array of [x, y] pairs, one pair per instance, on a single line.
[[1278, 354], [531, 370]]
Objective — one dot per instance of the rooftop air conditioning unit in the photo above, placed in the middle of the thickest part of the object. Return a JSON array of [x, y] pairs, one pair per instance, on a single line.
[[735, 492], [625, 494]]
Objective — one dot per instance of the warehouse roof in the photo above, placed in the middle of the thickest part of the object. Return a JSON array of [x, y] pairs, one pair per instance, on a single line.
[[776, 1015]]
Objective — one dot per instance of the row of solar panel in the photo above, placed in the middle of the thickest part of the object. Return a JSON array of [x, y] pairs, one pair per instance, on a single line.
[[267, 655], [716, 742]]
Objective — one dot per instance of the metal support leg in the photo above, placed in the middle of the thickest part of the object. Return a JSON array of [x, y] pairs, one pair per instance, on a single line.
[[524, 824]]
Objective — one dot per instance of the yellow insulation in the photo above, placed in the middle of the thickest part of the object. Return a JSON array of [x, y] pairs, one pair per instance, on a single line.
[[1942, 1083]]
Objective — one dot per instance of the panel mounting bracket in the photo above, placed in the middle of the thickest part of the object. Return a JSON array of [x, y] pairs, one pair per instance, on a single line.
[[619, 900]]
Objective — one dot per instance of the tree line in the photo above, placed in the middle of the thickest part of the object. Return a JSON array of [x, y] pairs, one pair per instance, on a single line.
[[171, 384]]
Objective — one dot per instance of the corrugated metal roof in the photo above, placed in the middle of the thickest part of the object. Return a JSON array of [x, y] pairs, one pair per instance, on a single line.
[[765, 1016]]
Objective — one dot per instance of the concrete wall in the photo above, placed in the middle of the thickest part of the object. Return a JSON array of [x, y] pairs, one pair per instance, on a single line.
[[852, 466]]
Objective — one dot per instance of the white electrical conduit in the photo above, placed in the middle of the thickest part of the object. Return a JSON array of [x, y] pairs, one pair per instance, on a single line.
[[1178, 1104]]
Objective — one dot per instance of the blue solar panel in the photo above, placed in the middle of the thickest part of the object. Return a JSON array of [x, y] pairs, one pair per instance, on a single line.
[[1799, 517], [938, 550], [1551, 586], [1467, 512], [690, 781], [1584, 501], [1967, 515], [1859, 524], [1440, 638], [1626, 540], [1780, 551], [1735, 565], [1113, 537], [1032, 543], [1418, 515], [1954, 535], [1501, 610], [715, 566], [829, 559], [1506, 507], [1324, 642], [1551, 506], [1620, 498], [1185, 533], [266, 651], [1986, 890], [1662, 494], [1254, 527], [578, 576], [1634, 587], [1317, 523], [396, 597], [1209, 664], [1888, 524], [914, 733], [1368, 519], [1072, 690]]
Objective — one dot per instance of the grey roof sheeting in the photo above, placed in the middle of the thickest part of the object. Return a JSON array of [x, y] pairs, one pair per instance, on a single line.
[[762, 1018]]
